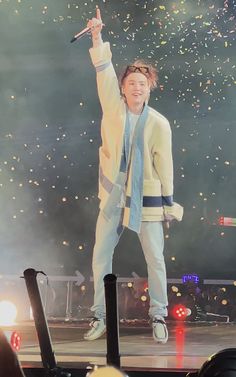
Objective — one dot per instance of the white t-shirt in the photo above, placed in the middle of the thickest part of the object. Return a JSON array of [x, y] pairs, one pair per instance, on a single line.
[[133, 118]]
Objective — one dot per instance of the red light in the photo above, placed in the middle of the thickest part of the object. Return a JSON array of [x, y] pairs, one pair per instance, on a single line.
[[180, 312], [145, 287], [15, 341], [221, 220], [180, 344]]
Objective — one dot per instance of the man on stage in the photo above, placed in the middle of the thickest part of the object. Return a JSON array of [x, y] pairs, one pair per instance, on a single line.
[[135, 179]]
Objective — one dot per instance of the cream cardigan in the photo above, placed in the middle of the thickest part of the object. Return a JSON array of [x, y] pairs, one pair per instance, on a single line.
[[157, 147]]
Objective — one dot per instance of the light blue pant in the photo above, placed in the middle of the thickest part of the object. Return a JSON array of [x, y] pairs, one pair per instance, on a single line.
[[108, 233]]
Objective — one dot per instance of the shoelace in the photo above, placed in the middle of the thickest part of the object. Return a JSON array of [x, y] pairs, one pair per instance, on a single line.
[[93, 321]]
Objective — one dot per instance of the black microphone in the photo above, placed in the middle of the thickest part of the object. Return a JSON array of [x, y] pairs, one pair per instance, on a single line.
[[80, 34]]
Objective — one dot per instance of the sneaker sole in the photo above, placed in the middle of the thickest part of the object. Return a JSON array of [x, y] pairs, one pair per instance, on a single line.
[[157, 340], [95, 337], [160, 341]]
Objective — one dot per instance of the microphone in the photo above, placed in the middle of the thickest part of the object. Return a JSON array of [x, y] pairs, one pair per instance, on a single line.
[[80, 34]]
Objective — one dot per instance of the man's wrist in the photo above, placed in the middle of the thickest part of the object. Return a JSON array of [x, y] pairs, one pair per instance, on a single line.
[[97, 40]]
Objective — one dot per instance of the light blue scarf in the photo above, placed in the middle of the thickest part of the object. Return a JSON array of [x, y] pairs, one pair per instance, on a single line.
[[136, 155], [137, 158]]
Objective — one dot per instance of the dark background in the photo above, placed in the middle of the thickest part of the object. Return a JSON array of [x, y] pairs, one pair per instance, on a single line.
[[50, 119]]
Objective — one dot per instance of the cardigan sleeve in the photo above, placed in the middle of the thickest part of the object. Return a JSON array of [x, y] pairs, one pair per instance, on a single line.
[[107, 83], [163, 164]]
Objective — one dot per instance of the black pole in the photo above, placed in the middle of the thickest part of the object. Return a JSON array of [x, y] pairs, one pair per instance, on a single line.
[[113, 355], [47, 354]]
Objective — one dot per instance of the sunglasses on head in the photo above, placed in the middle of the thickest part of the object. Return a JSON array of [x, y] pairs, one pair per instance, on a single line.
[[134, 68]]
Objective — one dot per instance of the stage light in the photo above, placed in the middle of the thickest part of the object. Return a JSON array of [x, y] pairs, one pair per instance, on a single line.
[[15, 341], [143, 298], [221, 220], [130, 284], [227, 221], [180, 312], [8, 313], [174, 288]]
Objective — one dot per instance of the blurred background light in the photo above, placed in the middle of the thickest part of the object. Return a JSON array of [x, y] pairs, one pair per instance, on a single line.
[[8, 313]]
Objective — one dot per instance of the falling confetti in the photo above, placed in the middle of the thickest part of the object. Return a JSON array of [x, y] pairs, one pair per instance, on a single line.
[[50, 120]]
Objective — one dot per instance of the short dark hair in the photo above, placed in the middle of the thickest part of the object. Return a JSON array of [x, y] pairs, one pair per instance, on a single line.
[[151, 73]]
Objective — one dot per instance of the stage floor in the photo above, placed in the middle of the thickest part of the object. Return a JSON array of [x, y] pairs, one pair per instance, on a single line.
[[189, 345]]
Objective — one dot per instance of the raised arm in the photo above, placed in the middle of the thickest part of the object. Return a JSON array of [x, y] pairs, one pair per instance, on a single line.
[[96, 25], [107, 83]]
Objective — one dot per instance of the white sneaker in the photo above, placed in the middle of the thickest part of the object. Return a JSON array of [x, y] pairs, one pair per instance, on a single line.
[[160, 332], [98, 328]]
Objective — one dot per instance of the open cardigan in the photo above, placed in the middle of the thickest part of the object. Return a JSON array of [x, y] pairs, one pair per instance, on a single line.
[[149, 182]]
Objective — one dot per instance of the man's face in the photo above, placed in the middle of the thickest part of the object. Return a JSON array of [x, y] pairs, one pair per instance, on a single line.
[[136, 89]]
